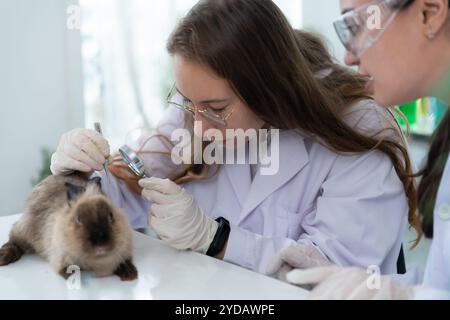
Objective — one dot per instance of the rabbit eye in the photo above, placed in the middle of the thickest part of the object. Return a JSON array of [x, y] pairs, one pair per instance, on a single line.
[[111, 217]]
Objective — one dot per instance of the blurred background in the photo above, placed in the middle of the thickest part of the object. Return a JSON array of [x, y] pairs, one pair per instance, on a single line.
[[66, 64]]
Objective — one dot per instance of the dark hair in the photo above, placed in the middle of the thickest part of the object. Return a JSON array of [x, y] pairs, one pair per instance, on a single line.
[[251, 44], [432, 174]]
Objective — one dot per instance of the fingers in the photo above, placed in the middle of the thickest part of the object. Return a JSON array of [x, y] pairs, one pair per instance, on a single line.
[[100, 142], [274, 265], [311, 276], [85, 146], [155, 224], [294, 255], [82, 141], [290, 256], [81, 156], [164, 186], [157, 197], [301, 256], [159, 213], [282, 272], [80, 150], [297, 256], [62, 164]]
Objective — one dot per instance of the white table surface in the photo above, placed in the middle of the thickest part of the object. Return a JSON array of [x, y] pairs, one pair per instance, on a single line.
[[164, 274]]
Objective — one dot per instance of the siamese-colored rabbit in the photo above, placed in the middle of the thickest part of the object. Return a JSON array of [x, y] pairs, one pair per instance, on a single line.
[[68, 221]]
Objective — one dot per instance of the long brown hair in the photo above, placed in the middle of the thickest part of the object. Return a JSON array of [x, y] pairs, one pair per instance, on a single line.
[[339, 80], [251, 44]]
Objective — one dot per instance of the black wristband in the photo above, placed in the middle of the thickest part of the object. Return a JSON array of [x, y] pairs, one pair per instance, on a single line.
[[220, 239]]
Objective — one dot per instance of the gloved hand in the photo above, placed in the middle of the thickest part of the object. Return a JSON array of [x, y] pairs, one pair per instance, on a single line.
[[296, 256], [336, 283], [80, 150], [176, 217]]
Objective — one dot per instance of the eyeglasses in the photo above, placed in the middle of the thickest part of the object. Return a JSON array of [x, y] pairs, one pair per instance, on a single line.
[[360, 28], [174, 98]]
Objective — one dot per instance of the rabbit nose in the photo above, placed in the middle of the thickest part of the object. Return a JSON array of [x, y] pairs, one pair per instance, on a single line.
[[98, 237]]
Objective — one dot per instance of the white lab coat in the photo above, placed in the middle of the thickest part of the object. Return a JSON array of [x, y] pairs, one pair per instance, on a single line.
[[437, 273], [351, 207]]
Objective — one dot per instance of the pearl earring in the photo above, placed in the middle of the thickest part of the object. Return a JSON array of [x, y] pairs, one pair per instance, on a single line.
[[430, 35]]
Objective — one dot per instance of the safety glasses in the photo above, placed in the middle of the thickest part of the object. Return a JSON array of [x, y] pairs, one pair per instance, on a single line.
[[360, 28], [218, 118]]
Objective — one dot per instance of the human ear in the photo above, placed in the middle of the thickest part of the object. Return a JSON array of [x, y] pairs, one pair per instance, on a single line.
[[435, 14]]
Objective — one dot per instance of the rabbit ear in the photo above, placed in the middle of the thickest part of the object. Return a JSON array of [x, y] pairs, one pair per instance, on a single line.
[[96, 181], [73, 191]]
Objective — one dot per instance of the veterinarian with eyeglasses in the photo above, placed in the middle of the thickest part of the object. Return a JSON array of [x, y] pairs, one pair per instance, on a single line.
[[407, 58], [343, 193]]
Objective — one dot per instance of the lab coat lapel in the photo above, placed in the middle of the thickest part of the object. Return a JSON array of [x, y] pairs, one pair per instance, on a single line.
[[240, 179], [293, 158]]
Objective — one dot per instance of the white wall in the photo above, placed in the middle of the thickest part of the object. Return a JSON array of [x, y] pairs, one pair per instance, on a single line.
[[41, 82], [318, 15], [40, 90]]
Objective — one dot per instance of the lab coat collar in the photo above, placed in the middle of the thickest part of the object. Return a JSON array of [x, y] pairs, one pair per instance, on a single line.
[[293, 158], [239, 176]]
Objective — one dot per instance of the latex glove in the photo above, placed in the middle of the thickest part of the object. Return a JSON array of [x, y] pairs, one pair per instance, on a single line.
[[80, 150], [295, 256], [336, 283], [176, 217]]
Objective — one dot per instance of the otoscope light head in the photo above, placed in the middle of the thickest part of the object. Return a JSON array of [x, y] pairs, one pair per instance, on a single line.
[[133, 161]]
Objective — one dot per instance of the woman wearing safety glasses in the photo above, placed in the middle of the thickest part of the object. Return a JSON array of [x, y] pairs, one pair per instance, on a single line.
[[343, 190], [407, 58]]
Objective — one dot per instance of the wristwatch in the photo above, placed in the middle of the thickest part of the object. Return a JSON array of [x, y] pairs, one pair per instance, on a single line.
[[220, 239]]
